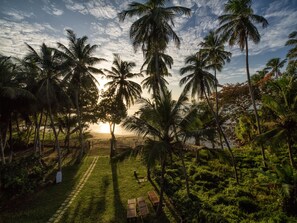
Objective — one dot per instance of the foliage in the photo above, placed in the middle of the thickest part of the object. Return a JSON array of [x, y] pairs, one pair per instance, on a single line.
[[23, 176]]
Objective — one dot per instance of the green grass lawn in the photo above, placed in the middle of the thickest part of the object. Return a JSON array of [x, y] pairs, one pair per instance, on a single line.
[[102, 199]]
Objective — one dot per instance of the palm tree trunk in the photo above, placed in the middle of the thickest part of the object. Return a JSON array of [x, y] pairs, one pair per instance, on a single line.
[[253, 98], [2, 149], [112, 140], [55, 132], [290, 143], [78, 112], [217, 106], [185, 173], [43, 134], [163, 165], [224, 137], [10, 138]]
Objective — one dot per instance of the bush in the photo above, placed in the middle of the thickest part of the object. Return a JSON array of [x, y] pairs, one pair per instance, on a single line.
[[22, 176]]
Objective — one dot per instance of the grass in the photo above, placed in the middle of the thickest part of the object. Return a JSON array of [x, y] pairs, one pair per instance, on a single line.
[[102, 199]]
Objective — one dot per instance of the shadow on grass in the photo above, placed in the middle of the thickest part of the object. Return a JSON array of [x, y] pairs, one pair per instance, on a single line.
[[120, 211], [95, 208]]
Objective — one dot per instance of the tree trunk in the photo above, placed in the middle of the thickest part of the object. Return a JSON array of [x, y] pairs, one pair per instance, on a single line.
[[55, 132], [160, 206], [290, 152], [224, 137], [43, 134], [185, 173], [217, 106], [253, 98], [78, 112], [112, 140], [3, 139]]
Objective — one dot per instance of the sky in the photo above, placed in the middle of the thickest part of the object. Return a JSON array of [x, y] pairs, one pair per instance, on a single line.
[[45, 21]]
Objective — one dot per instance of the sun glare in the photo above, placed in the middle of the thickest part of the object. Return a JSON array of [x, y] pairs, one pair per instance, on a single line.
[[103, 128]]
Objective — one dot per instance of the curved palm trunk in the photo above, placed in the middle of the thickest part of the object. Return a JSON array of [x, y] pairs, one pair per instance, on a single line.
[[217, 106], [78, 112], [253, 98], [224, 137]]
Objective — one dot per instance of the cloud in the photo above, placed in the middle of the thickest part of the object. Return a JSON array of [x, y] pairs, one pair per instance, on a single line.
[[18, 15], [14, 35], [51, 8]]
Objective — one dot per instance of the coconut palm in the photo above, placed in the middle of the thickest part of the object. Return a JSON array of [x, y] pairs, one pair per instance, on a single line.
[[48, 64], [156, 79], [120, 84], [13, 98], [79, 57], [292, 42], [214, 50], [152, 31], [238, 26], [158, 121], [200, 83], [274, 65], [216, 56]]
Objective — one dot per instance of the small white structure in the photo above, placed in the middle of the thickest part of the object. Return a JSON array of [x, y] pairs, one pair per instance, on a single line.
[[59, 177]]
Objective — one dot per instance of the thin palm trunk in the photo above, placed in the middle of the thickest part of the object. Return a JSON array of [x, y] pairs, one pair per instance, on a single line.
[[290, 152], [253, 98], [185, 173], [10, 138], [78, 112], [217, 106], [163, 166], [2, 149], [57, 146], [224, 136], [43, 134], [112, 140]]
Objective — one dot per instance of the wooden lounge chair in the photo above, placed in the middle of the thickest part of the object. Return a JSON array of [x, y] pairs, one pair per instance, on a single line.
[[131, 210], [142, 207], [153, 197]]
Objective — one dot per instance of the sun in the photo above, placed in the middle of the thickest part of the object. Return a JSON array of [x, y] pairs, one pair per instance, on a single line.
[[103, 128]]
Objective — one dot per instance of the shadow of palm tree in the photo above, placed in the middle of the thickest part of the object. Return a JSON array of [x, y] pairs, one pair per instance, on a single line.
[[120, 211]]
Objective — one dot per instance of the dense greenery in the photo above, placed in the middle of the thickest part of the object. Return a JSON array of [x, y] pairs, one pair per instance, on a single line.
[[216, 159]]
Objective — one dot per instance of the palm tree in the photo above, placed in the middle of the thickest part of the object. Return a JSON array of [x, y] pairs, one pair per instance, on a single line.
[[152, 31], [274, 66], [216, 56], [123, 88], [158, 122], [292, 42], [13, 98], [200, 82], [237, 25], [48, 64], [156, 79], [282, 104], [214, 50], [79, 56]]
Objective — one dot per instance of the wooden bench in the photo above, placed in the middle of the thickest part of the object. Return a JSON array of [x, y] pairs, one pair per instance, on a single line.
[[142, 207], [131, 209], [153, 197]]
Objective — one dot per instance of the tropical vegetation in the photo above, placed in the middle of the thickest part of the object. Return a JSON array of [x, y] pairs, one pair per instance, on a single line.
[[217, 153]]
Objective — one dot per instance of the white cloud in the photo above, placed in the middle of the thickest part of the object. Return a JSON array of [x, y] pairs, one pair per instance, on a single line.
[[51, 8], [18, 15]]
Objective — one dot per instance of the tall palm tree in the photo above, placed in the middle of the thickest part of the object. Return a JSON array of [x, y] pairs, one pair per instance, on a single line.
[[13, 98], [158, 121], [120, 84], [200, 83], [292, 42], [238, 26], [152, 31], [156, 79], [214, 50], [79, 56], [274, 65], [48, 64], [216, 56]]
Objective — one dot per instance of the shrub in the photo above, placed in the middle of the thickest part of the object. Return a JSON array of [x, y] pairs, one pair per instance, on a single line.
[[22, 176]]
